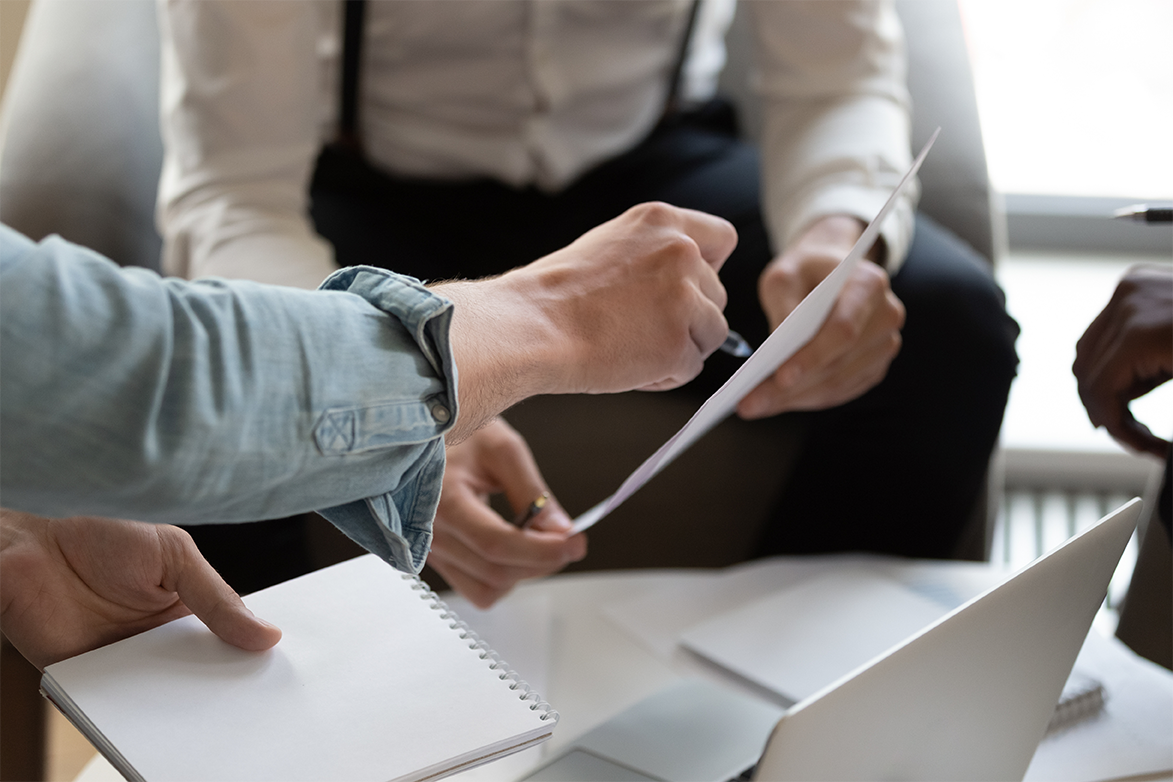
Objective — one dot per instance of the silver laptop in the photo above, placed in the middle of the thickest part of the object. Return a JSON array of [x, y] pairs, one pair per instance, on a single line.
[[968, 697]]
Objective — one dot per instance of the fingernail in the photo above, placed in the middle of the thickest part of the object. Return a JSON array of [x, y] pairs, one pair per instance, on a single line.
[[264, 622], [553, 521], [560, 522]]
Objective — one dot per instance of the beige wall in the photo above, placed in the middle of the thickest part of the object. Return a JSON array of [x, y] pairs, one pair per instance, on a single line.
[[12, 13]]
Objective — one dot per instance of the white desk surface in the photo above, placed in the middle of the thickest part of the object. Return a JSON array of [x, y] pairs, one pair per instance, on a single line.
[[594, 644]]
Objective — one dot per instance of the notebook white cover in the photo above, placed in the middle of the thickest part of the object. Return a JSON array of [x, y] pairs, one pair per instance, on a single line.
[[372, 680]]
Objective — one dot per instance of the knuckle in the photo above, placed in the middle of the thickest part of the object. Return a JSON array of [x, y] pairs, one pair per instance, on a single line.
[[730, 232], [895, 342], [873, 275], [844, 330], [898, 311], [778, 275], [181, 537], [656, 211], [679, 247], [652, 213], [721, 299]]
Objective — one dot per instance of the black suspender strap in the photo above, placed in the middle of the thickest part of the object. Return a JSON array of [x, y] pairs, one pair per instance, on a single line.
[[354, 13], [672, 102], [352, 34]]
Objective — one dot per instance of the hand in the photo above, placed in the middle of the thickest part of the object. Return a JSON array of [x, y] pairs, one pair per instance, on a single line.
[[1126, 352], [71, 585], [851, 352], [481, 555], [633, 303]]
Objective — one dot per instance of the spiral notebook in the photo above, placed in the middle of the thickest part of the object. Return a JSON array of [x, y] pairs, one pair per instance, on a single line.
[[374, 679]]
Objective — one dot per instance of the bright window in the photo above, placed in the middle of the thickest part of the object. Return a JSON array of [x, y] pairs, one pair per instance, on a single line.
[[1075, 96]]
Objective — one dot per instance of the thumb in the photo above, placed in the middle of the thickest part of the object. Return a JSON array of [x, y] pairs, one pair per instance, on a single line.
[[552, 518], [215, 603]]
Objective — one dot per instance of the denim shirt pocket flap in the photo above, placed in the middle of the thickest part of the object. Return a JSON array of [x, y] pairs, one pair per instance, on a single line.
[[356, 429]]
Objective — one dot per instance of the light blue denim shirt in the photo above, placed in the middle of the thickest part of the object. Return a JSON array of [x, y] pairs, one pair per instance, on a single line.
[[128, 395]]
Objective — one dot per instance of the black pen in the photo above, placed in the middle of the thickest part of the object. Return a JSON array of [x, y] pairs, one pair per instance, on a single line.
[[531, 510], [735, 345], [1143, 213]]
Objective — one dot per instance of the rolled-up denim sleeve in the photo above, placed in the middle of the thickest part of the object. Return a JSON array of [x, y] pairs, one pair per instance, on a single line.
[[397, 526], [128, 395]]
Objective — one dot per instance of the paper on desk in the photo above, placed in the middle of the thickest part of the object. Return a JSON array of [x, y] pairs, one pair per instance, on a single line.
[[659, 616], [796, 641], [1132, 736], [794, 332]]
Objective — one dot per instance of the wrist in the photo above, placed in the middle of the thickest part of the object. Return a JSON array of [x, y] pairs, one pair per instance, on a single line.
[[835, 235], [503, 346]]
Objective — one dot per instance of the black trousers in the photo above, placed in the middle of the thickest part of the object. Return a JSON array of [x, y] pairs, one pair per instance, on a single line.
[[897, 470]]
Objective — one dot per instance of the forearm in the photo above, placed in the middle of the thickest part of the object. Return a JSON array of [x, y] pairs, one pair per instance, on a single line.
[[836, 131], [127, 395], [162, 400]]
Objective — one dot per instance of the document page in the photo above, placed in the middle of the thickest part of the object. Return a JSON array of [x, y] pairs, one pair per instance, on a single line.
[[799, 640], [1131, 738], [794, 332]]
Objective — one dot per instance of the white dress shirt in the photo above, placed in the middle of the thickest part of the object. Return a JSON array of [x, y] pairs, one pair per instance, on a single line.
[[529, 92]]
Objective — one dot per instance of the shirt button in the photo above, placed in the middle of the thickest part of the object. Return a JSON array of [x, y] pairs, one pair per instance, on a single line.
[[441, 414]]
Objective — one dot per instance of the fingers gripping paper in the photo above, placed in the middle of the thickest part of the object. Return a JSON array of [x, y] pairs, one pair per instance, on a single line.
[[795, 331]]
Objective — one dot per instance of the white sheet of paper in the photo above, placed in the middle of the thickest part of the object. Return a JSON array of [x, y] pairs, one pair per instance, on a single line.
[[657, 616], [1132, 737], [798, 640], [794, 332]]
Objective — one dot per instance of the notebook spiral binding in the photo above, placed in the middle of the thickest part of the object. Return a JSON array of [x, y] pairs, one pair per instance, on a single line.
[[516, 683], [1087, 701]]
